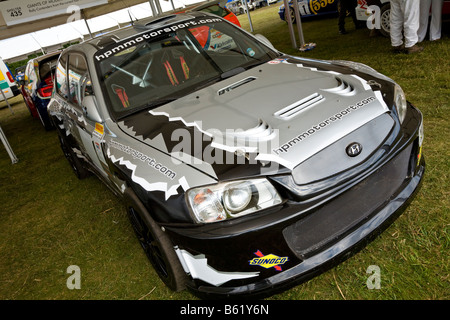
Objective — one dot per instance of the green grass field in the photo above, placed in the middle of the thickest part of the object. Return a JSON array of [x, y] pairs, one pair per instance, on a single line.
[[49, 220]]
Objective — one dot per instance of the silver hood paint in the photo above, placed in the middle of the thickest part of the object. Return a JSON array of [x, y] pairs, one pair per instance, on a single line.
[[254, 101]]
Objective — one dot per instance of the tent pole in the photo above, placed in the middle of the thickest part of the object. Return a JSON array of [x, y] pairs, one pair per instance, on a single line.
[[173, 6], [287, 14], [8, 147], [158, 7], [152, 6], [6, 100], [299, 24], [87, 25], [248, 15]]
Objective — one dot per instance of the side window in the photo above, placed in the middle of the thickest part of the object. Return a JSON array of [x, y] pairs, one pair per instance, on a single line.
[[61, 77], [79, 81]]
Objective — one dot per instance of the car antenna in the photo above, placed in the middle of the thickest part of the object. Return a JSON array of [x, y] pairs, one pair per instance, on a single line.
[[131, 18]]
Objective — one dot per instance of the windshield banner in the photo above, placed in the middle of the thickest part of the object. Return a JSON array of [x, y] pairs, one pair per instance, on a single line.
[[135, 40]]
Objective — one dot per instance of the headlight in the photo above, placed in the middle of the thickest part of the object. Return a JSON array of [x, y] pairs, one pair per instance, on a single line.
[[232, 199], [237, 196], [400, 102]]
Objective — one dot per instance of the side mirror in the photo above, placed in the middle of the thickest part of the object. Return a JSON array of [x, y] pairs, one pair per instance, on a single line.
[[90, 110], [266, 41]]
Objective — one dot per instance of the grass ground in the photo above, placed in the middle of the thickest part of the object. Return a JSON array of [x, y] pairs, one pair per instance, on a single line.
[[49, 220]]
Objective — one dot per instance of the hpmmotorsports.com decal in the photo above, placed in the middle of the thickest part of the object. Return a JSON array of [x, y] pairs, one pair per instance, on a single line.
[[131, 42], [166, 180], [337, 117], [144, 158]]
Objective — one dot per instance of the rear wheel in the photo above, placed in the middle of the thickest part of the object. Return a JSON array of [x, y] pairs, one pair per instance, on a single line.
[[77, 166], [290, 16], [385, 20], [159, 250]]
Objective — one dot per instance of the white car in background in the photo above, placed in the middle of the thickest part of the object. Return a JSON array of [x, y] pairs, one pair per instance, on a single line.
[[7, 83]]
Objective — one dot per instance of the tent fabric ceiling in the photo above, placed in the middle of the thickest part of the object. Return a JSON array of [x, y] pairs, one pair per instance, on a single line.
[[40, 35]]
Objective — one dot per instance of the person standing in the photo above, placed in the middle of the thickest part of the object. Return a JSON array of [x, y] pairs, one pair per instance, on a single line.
[[405, 17], [436, 19], [343, 7]]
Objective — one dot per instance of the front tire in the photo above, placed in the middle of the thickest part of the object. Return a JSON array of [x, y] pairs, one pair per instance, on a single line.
[[159, 250]]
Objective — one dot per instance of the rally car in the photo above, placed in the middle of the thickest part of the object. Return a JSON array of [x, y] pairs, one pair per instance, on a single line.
[[37, 86], [244, 171], [309, 9]]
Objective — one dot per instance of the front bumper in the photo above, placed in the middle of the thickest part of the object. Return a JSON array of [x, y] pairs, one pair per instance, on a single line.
[[267, 253]]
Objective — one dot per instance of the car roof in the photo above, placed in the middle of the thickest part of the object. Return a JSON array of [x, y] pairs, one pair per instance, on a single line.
[[47, 55], [209, 3]]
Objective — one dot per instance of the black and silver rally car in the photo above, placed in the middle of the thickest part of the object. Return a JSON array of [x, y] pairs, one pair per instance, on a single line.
[[244, 171]]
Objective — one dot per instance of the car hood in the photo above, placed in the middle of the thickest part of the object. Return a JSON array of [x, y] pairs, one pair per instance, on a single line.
[[283, 111]]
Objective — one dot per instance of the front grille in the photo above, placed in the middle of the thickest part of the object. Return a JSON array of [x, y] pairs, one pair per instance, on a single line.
[[344, 214]]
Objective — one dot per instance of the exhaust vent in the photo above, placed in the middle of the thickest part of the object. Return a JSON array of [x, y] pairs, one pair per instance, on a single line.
[[294, 109]]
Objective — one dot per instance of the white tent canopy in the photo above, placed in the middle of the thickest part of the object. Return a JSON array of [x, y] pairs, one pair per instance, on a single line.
[[49, 39]]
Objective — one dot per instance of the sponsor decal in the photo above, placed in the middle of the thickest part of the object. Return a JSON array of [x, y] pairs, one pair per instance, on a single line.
[[99, 128], [277, 61], [268, 261], [284, 148], [144, 158]]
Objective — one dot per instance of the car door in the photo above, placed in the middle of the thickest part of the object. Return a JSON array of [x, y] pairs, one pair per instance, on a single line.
[[88, 132]]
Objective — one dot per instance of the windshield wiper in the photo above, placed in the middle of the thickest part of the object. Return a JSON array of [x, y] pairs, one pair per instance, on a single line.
[[207, 83], [238, 70], [232, 72]]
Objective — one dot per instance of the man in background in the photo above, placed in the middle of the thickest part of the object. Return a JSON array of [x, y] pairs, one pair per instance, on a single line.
[[343, 7], [436, 19], [405, 17]]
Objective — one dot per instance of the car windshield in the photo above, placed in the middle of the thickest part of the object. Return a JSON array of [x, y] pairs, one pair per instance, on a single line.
[[159, 66]]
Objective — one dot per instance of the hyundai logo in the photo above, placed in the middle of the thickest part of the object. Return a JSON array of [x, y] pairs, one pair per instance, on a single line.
[[353, 149]]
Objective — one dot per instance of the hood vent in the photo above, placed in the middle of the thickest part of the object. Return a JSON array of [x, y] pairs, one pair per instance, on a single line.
[[343, 88], [294, 109], [262, 132], [235, 85]]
